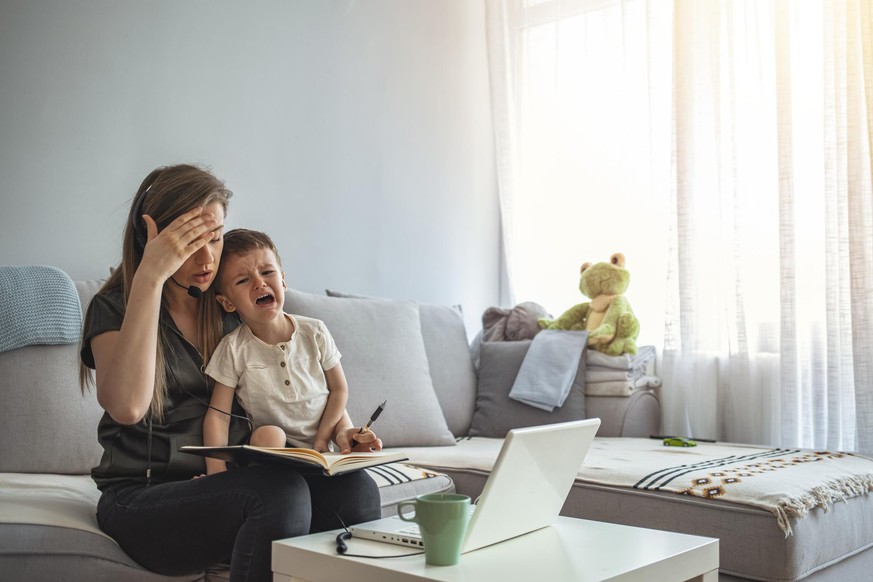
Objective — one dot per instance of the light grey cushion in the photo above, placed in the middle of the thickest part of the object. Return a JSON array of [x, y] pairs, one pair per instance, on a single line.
[[496, 413], [48, 425], [383, 358], [449, 360]]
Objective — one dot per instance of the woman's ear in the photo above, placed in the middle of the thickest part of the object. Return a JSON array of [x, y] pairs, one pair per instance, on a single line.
[[225, 302]]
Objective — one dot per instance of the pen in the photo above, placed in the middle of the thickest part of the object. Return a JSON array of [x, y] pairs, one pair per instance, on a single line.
[[373, 417]]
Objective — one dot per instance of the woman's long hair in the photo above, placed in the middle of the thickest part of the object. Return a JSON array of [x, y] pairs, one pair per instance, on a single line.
[[165, 194]]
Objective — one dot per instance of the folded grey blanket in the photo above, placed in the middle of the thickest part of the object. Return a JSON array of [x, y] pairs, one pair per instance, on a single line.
[[634, 364], [39, 305], [549, 368]]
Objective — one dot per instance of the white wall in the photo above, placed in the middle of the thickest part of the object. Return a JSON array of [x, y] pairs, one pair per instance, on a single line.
[[357, 134]]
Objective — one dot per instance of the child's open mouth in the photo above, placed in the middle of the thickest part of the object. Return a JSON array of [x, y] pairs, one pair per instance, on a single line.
[[267, 299]]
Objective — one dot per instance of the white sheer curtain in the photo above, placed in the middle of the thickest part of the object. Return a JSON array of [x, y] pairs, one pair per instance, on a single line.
[[725, 148]]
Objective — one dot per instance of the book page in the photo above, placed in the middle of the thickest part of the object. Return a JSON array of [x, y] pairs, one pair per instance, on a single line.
[[330, 463]]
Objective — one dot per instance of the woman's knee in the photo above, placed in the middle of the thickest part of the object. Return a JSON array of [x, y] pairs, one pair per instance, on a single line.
[[366, 493], [280, 497], [343, 500]]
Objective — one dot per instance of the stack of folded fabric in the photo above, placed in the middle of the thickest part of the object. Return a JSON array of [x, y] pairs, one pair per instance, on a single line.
[[620, 375]]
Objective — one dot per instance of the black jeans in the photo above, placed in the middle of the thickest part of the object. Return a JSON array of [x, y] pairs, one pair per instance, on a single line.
[[184, 527]]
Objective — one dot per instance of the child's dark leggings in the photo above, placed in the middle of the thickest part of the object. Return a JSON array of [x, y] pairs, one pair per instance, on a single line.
[[184, 527]]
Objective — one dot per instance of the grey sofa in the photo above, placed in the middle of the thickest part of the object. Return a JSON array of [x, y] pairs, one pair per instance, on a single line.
[[444, 414]]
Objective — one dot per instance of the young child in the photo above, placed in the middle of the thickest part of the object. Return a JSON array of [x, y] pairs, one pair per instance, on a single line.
[[285, 369]]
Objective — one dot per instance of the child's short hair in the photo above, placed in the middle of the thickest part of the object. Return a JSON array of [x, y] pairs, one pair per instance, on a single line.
[[243, 240]]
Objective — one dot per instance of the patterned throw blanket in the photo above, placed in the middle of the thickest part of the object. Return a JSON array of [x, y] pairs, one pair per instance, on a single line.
[[38, 306], [397, 473], [786, 482]]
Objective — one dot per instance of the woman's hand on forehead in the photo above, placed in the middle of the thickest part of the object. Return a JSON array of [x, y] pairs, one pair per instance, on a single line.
[[168, 249]]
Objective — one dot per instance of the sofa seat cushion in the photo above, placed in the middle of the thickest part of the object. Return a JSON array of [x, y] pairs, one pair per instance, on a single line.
[[66, 501], [48, 525], [752, 544], [48, 531]]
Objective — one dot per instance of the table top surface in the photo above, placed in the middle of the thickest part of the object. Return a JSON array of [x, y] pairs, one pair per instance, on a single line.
[[571, 549]]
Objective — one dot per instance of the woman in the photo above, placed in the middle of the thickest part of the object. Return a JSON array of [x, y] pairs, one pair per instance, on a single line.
[[148, 333]]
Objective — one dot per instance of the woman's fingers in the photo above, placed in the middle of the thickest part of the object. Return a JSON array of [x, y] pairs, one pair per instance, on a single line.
[[151, 227], [190, 232], [194, 226], [172, 246]]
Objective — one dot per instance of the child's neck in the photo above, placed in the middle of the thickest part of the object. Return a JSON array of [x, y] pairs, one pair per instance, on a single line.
[[276, 331]]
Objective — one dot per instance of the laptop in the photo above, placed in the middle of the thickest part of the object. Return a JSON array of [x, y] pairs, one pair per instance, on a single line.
[[526, 490]]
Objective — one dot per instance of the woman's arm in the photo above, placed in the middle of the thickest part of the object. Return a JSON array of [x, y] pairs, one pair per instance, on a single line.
[[338, 396], [125, 359]]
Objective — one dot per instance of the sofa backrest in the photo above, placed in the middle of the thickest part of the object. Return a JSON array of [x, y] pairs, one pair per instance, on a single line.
[[48, 425]]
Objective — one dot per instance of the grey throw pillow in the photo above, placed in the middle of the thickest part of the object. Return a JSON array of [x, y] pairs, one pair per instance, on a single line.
[[496, 413], [449, 360], [383, 358]]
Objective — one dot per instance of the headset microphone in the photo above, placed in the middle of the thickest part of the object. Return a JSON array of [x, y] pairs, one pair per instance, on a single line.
[[193, 290]]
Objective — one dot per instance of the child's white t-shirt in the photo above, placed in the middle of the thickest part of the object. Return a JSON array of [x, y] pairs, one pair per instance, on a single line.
[[279, 384]]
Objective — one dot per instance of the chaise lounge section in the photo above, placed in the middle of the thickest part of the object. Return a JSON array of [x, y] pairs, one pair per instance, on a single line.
[[780, 514]]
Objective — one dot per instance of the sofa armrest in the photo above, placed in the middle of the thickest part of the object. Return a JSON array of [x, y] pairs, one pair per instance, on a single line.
[[637, 415]]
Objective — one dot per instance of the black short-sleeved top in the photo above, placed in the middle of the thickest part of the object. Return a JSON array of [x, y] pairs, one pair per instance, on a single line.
[[126, 455]]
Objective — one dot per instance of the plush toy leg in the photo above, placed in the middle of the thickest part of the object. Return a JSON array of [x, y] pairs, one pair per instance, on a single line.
[[626, 335], [621, 346]]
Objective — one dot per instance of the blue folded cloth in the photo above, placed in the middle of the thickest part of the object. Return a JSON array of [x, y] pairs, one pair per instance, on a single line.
[[39, 305], [549, 368]]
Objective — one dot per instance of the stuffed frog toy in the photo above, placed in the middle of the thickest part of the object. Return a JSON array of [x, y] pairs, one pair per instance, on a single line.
[[608, 318]]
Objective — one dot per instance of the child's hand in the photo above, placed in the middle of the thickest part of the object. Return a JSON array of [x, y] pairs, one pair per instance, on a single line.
[[350, 440]]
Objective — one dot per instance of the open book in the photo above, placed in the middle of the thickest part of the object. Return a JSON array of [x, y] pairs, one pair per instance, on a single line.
[[329, 463]]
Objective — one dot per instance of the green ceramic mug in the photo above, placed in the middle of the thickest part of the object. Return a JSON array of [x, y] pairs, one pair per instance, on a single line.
[[442, 519]]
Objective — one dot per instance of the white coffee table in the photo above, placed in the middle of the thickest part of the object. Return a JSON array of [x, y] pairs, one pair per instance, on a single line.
[[574, 550]]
